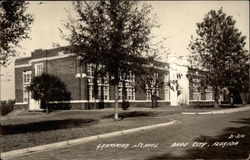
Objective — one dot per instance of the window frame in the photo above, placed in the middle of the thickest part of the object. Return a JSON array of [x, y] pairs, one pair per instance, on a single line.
[[27, 76], [38, 70]]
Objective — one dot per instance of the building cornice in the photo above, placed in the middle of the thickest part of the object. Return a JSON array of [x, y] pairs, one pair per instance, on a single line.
[[22, 65], [51, 58], [44, 59]]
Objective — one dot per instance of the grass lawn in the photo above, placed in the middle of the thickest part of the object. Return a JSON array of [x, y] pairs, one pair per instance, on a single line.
[[208, 129], [29, 129]]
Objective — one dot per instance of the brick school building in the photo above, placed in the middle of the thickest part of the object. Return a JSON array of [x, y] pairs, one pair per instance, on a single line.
[[79, 82]]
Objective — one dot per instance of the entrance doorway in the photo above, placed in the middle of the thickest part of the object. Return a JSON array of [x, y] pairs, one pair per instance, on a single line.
[[34, 105]]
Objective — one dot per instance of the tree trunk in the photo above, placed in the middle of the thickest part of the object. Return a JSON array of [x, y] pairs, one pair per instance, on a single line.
[[47, 109], [156, 102], [95, 104], [152, 100], [216, 104], [45, 105], [231, 99], [243, 97], [216, 97], [152, 103], [116, 103]]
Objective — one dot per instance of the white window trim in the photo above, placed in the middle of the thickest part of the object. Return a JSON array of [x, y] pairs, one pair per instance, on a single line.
[[130, 88], [199, 96], [210, 92], [166, 87], [25, 84], [90, 76], [36, 71]]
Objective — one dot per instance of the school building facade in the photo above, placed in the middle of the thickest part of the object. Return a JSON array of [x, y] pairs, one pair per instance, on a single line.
[[79, 81]]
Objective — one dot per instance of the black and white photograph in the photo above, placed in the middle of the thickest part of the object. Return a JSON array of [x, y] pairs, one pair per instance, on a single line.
[[124, 80]]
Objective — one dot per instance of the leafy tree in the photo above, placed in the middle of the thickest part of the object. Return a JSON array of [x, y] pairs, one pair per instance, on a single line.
[[154, 79], [14, 26], [112, 33], [219, 52], [152, 82], [47, 87]]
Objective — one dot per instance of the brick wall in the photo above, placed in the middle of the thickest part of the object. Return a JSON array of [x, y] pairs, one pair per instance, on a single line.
[[21, 61], [66, 70]]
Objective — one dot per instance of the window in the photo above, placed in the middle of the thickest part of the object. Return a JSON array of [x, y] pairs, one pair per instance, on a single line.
[[103, 92], [209, 93], [148, 94], [130, 77], [153, 88], [119, 92], [102, 82], [166, 87], [196, 96], [26, 82], [106, 92], [130, 93], [90, 71], [196, 92], [129, 87], [38, 69], [90, 88]]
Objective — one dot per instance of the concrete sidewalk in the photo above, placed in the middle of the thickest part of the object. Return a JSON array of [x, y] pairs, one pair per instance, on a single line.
[[224, 111], [30, 150]]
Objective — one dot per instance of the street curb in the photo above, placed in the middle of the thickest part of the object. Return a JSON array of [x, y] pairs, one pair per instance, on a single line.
[[220, 111], [30, 150]]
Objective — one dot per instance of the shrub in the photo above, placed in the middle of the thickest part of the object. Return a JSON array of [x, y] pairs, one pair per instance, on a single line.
[[61, 106], [47, 87], [125, 104], [6, 107]]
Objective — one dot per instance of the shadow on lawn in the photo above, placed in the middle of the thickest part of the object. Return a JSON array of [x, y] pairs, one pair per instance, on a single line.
[[240, 151], [46, 125], [132, 114]]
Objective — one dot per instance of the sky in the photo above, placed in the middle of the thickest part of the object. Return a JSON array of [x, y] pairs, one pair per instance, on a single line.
[[177, 21]]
